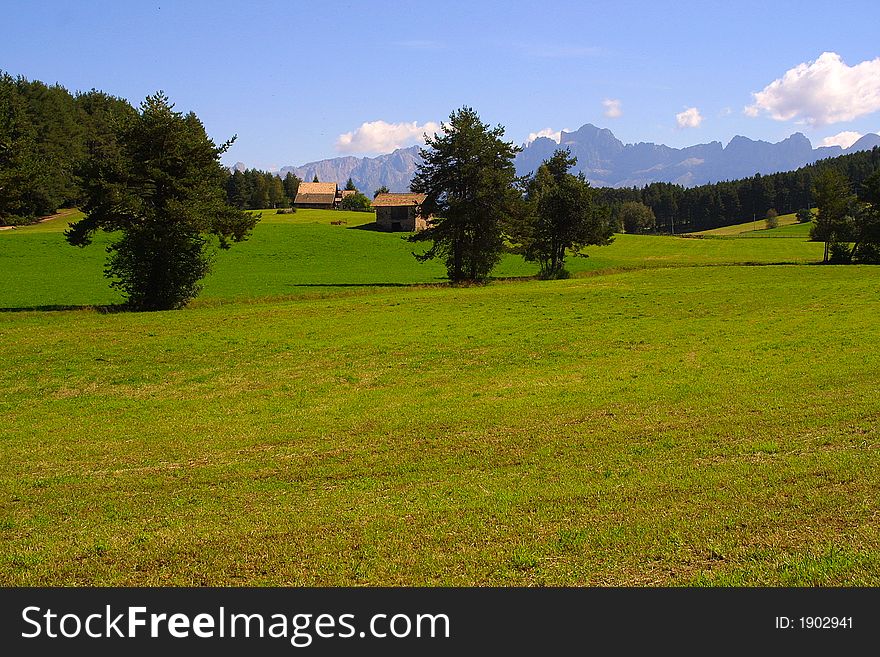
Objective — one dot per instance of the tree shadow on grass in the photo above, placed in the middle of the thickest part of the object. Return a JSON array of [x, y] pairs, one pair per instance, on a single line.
[[103, 309], [439, 281], [374, 226]]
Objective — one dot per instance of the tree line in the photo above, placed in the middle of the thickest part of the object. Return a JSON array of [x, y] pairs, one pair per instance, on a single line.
[[46, 134], [253, 189], [686, 209]]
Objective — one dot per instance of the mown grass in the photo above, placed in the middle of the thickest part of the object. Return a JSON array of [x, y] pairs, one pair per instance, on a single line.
[[300, 254], [674, 424], [796, 230], [755, 226]]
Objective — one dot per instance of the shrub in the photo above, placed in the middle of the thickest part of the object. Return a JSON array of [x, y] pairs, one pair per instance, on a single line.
[[357, 202], [867, 254], [558, 275], [840, 253]]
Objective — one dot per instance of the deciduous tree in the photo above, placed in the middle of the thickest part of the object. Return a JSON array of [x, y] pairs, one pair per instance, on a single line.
[[636, 217], [276, 191], [356, 202]]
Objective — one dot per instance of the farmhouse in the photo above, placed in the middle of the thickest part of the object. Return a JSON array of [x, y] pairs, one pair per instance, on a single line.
[[317, 195], [400, 212]]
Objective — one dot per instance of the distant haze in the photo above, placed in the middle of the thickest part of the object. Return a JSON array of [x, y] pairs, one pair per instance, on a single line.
[[604, 160]]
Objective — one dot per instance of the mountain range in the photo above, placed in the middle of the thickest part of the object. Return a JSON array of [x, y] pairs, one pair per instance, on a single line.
[[394, 170], [604, 160]]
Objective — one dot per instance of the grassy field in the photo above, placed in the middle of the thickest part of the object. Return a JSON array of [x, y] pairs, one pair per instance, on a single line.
[[795, 230], [753, 227], [666, 417], [302, 254]]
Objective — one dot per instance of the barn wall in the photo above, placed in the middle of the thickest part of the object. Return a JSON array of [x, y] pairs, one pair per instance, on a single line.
[[386, 216]]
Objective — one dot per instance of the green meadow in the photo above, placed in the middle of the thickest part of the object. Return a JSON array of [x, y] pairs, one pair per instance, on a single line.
[[755, 228], [682, 411], [304, 254]]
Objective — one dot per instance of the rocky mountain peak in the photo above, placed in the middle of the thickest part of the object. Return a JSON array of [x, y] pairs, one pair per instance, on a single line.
[[604, 160]]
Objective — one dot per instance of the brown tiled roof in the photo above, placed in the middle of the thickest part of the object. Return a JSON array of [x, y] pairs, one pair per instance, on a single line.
[[316, 193], [348, 192], [385, 200]]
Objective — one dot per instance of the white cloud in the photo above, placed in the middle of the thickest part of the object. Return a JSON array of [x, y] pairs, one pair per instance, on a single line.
[[382, 137], [843, 139], [612, 108], [821, 92], [555, 135], [690, 118]]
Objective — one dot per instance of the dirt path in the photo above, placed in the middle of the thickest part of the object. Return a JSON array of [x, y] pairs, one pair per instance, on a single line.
[[42, 220]]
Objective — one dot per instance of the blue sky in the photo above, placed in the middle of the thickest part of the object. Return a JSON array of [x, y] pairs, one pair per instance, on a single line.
[[298, 81]]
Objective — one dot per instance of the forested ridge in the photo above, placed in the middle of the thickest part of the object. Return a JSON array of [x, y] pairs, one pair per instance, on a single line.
[[684, 209], [46, 133]]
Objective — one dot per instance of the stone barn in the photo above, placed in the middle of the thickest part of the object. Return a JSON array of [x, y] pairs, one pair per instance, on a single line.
[[400, 212], [317, 195]]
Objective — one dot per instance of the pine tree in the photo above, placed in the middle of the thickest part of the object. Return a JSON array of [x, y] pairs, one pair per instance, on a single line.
[[561, 215], [834, 203], [260, 191], [163, 194], [21, 177], [866, 223], [238, 190], [467, 176]]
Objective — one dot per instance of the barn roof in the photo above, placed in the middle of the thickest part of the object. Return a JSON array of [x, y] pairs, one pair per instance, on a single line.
[[316, 192], [348, 192], [388, 200]]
